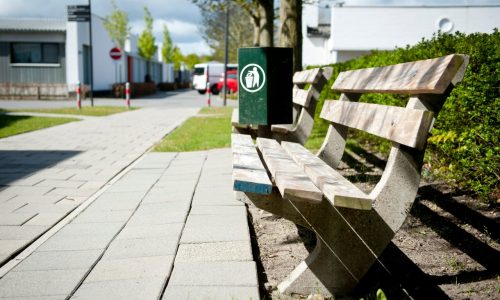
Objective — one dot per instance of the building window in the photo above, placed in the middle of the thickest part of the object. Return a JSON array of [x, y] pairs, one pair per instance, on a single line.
[[35, 53]]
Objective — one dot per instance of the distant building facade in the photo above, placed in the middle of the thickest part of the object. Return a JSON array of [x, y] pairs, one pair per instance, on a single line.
[[49, 57], [338, 33]]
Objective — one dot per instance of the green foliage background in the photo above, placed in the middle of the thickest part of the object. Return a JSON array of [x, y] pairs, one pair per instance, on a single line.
[[116, 24], [463, 148], [146, 42]]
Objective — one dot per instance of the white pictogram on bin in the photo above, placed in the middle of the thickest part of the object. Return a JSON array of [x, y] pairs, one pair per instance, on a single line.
[[252, 78]]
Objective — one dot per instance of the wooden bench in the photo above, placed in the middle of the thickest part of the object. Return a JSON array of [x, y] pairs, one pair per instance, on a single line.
[[307, 87], [352, 227]]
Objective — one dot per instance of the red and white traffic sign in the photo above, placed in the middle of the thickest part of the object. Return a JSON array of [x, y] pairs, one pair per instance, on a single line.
[[115, 53]]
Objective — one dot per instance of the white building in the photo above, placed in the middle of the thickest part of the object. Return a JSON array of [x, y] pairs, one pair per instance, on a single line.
[[106, 71], [54, 55], [339, 33]]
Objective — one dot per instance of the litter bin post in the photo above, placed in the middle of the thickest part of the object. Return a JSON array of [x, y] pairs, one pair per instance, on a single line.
[[265, 86]]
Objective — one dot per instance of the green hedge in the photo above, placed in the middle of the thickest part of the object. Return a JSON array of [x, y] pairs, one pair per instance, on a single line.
[[463, 148]]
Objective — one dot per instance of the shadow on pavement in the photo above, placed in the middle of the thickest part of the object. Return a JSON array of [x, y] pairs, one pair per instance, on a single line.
[[16, 165]]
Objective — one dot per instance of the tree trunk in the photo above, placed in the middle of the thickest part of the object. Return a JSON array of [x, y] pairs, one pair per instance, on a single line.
[[266, 12], [256, 31], [290, 33]]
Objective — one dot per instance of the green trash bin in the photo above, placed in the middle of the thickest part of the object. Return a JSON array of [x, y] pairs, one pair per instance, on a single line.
[[265, 86]]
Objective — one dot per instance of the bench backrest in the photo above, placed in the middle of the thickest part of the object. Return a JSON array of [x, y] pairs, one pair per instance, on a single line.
[[408, 126], [305, 83], [429, 83]]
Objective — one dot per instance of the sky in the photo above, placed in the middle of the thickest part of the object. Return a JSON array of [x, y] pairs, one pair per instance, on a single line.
[[181, 16]]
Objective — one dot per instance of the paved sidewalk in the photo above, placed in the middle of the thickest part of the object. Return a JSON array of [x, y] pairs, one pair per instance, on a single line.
[[170, 228], [34, 114], [46, 174]]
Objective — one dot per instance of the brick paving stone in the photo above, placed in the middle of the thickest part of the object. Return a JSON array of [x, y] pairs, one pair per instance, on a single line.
[[210, 233], [229, 210], [21, 232], [130, 268], [15, 219], [35, 207], [51, 297], [72, 243], [131, 289], [151, 231], [219, 251], [145, 247], [228, 273], [8, 247], [211, 293], [60, 183], [72, 192], [118, 216], [59, 260], [39, 283], [90, 229], [46, 219]]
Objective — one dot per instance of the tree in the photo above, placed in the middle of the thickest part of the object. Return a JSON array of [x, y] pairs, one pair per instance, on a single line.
[[177, 58], [266, 28], [192, 59], [116, 24], [146, 43], [167, 47], [213, 26], [290, 31], [261, 13]]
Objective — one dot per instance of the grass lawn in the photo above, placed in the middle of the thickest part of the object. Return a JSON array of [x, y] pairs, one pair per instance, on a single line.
[[216, 110], [201, 133], [96, 111], [12, 125]]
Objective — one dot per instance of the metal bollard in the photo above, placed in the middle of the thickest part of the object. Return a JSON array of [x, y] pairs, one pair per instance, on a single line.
[[127, 94], [209, 101], [78, 95]]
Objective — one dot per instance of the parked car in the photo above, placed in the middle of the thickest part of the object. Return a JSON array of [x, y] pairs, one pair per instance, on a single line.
[[209, 72], [232, 81]]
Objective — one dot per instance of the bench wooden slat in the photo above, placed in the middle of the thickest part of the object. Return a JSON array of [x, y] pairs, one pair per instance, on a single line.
[[235, 118], [249, 175], [281, 128], [241, 140], [288, 176], [340, 191], [306, 76], [402, 125], [301, 97], [431, 76]]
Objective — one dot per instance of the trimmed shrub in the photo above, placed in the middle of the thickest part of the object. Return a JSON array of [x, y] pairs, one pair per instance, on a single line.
[[136, 89], [463, 148]]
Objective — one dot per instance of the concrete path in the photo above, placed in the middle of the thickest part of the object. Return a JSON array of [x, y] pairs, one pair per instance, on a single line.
[[34, 114], [46, 174], [85, 214], [170, 228]]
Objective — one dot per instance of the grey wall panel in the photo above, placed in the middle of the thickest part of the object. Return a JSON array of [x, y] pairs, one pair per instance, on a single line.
[[30, 74]]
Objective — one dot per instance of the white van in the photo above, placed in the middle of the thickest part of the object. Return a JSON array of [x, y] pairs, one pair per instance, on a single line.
[[201, 76]]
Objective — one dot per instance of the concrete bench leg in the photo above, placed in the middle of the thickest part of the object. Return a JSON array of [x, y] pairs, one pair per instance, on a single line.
[[321, 272]]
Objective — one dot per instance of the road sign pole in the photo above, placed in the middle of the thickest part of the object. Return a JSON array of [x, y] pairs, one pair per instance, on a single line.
[[91, 58]]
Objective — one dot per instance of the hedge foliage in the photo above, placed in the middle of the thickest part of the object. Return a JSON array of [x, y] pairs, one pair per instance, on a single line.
[[463, 148]]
